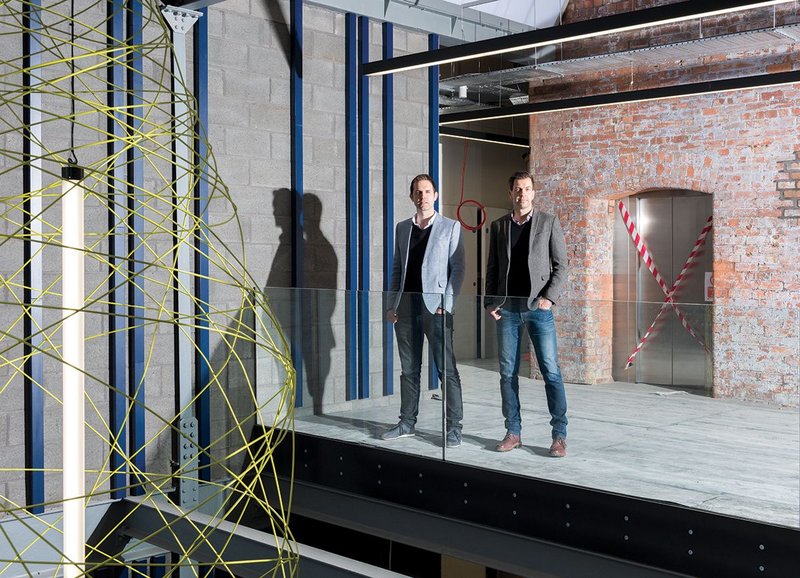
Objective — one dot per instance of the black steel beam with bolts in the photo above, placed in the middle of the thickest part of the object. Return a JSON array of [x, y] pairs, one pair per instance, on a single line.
[[479, 544], [485, 516], [613, 24], [248, 553]]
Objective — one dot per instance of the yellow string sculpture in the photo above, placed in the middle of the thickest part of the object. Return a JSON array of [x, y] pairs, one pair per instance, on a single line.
[[69, 66]]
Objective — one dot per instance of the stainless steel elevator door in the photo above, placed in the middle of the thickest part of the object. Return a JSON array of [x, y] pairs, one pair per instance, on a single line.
[[670, 223]]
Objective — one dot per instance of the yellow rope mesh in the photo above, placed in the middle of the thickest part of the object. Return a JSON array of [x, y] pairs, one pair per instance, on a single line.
[[240, 319]]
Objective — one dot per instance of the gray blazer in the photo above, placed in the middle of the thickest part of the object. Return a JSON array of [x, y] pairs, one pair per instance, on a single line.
[[547, 260], [442, 265]]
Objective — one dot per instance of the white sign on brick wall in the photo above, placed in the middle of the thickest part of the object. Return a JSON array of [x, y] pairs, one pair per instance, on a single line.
[[708, 287]]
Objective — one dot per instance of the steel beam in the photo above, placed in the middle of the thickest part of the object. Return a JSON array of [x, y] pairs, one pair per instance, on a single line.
[[117, 282], [298, 222], [351, 202], [604, 26], [248, 553], [574, 530], [33, 375], [136, 264], [433, 170], [202, 356], [364, 217], [387, 113]]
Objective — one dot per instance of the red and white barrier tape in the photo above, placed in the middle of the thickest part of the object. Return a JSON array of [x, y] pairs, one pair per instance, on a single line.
[[641, 247], [669, 301], [647, 258]]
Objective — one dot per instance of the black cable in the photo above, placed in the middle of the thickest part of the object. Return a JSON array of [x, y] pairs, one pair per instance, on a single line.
[[72, 159]]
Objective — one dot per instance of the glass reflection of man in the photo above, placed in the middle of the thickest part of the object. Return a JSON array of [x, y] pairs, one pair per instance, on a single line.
[[526, 270], [427, 273]]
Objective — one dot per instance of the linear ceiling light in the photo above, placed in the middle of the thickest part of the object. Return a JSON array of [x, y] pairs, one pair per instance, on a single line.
[[607, 25], [697, 88], [499, 139]]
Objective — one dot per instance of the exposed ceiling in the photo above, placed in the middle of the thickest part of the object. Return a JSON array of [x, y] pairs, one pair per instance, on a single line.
[[533, 13], [492, 88], [513, 79], [456, 20]]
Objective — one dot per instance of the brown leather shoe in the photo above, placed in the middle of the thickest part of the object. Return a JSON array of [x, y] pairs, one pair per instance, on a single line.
[[558, 449], [509, 442]]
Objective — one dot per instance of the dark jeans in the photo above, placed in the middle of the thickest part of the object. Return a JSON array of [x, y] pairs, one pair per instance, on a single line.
[[541, 327], [414, 322]]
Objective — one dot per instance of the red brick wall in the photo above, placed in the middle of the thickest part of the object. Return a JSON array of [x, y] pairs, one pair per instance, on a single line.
[[742, 148], [579, 10], [788, 183], [747, 20]]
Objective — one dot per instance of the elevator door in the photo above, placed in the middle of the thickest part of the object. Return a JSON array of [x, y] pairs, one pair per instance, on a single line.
[[670, 223]]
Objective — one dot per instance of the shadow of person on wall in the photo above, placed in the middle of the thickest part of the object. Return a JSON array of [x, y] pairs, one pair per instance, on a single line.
[[318, 296], [320, 269]]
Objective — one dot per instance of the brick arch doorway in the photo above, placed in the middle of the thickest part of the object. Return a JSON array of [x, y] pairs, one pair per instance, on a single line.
[[670, 221]]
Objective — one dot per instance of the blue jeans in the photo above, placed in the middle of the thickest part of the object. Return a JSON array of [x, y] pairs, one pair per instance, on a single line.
[[542, 330], [414, 322]]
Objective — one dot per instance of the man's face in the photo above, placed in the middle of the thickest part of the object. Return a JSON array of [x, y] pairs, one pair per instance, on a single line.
[[424, 196], [521, 195]]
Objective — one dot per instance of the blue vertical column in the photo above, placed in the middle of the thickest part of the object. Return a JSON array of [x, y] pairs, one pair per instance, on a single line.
[[33, 376], [118, 205], [136, 345], [388, 203], [298, 281], [363, 211], [157, 563], [433, 114], [433, 160], [351, 203], [202, 355]]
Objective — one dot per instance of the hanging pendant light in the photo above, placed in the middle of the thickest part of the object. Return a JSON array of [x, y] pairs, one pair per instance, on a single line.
[[72, 354], [72, 349]]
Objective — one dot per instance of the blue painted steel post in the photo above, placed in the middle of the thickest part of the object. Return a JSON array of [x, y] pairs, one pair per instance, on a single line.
[[201, 285], [136, 345], [388, 203], [433, 114], [351, 201], [33, 377], [364, 268], [157, 567], [117, 314], [433, 161], [298, 281]]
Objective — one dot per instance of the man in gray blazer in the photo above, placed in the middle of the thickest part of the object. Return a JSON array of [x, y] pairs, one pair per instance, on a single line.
[[427, 272], [526, 271]]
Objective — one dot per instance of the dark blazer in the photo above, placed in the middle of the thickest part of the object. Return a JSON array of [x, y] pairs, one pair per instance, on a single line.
[[547, 260], [442, 265]]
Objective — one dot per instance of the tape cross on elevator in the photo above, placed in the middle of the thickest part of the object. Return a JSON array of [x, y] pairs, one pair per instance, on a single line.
[[647, 258]]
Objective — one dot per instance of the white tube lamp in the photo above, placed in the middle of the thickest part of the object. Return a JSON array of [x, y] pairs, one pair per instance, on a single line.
[[72, 333]]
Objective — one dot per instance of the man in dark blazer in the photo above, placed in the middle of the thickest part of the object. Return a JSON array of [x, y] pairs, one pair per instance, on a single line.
[[427, 273], [526, 271]]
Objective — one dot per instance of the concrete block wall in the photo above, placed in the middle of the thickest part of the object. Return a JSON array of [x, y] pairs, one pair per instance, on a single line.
[[89, 149], [737, 147], [250, 134]]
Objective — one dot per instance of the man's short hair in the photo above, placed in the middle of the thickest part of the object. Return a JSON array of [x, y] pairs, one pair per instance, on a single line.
[[517, 176], [419, 178]]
